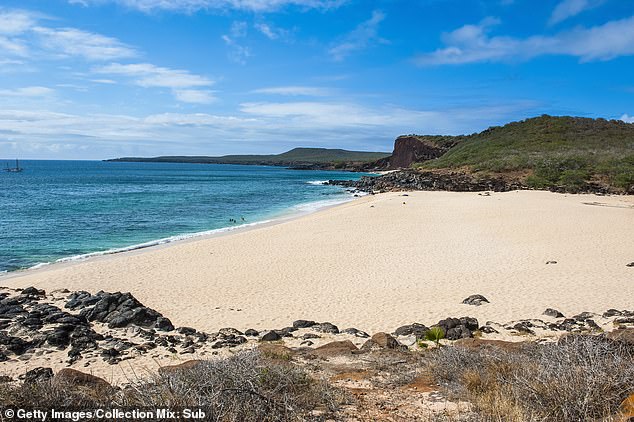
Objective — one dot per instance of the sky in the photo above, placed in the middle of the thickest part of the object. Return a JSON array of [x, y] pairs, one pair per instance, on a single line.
[[94, 79]]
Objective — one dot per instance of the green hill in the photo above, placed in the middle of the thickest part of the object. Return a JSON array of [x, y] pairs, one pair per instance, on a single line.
[[297, 157], [547, 152]]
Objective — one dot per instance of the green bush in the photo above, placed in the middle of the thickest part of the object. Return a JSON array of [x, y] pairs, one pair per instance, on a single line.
[[435, 334]]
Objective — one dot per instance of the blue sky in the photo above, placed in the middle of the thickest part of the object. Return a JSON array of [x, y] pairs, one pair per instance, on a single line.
[[91, 79]]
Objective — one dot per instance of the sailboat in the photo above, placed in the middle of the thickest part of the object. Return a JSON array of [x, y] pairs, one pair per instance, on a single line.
[[16, 169]]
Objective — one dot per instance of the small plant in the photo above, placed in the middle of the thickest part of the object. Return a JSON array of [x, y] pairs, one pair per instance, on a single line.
[[435, 334], [421, 344]]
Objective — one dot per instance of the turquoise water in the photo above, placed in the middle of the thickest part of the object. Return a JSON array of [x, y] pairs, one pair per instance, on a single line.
[[64, 209]]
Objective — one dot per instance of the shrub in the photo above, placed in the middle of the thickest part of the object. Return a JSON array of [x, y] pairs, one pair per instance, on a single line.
[[435, 334], [581, 378], [244, 387]]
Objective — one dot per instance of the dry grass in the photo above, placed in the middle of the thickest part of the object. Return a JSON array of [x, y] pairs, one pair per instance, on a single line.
[[245, 387], [582, 378]]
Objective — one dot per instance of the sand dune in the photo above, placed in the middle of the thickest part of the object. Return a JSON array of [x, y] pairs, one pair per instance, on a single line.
[[383, 261]]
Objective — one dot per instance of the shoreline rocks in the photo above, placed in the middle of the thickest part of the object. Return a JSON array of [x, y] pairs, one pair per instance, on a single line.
[[115, 327]]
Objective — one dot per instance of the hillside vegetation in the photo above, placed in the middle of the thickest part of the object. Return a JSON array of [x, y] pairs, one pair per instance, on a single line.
[[311, 157], [547, 152]]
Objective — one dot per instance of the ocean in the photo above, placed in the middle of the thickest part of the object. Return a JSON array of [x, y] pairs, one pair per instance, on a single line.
[[65, 210]]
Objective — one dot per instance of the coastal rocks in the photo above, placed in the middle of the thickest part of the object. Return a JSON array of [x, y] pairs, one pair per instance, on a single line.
[[429, 180], [456, 328], [229, 341], [38, 375], [270, 336], [115, 309], [522, 327], [32, 291], [382, 341], [302, 323], [336, 348], [475, 300], [251, 333], [326, 327], [355, 332], [611, 313], [631, 264], [553, 313], [163, 324], [416, 329]]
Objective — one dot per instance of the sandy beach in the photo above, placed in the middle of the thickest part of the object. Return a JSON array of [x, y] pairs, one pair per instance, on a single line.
[[382, 261]]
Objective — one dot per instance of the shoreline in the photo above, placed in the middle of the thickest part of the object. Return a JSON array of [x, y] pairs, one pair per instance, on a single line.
[[381, 261], [288, 214]]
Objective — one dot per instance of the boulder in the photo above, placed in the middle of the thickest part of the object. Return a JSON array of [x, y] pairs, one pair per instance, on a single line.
[[186, 331], [229, 341], [117, 310], [270, 336], [163, 324], [286, 332], [38, 375], [612, 313], [456, 328], [230, 332], [355, 332], [336, 348], [32, 291], [382, 341], [416, 329], [583, 316], [326, 327], [303, 323], [553, 313], [251, 333], [475, 300]]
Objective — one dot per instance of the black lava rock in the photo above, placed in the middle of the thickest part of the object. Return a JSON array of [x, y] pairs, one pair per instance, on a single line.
[[475, 300]]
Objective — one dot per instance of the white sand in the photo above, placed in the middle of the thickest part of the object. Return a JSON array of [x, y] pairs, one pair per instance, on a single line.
[[377, 263]]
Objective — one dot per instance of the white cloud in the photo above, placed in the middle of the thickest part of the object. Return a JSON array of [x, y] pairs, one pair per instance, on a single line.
[[260, 127], [104, 81], [309, 91], [184, 85], [195, 96], [569, 8], [270, 31], [190, 6], [14, 47], [237, 52], [471, 44], [148, 75], [13, 22], [75, 42], [22, 34], [364, 35], [627, 119], [29, 91]]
